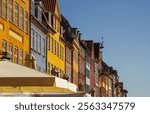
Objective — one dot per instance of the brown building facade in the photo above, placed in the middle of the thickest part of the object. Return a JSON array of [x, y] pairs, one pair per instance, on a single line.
[[82, 59], [90, 46], [98, 64], [66, 35]]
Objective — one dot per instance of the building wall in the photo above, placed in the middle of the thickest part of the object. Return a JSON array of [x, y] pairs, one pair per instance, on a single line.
[[82, 66], [40, 52], [75, 63], [68, 63], [96, 79], [14, 29], [56, 54], [92, 80], [87, 72]]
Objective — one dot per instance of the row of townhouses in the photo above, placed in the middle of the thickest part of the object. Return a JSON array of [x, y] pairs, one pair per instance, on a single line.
[[35, 34]]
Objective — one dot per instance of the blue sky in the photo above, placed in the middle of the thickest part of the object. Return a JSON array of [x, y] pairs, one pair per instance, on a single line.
[[125, 27]]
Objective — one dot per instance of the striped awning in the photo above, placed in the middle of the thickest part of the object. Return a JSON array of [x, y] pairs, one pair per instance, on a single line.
[[50, 5]]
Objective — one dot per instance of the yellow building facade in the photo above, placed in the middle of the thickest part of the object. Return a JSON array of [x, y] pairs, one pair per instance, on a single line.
[[14, 29], [56, 47]]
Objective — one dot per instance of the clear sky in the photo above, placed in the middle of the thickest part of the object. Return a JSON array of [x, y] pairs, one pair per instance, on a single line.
[[125, 27]]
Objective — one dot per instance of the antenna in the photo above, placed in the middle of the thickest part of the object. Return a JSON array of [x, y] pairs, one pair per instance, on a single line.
[[102, 40], [102, 43]]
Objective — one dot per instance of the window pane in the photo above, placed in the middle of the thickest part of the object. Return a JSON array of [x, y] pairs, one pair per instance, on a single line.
[[32, 7], [39, 14], [22, 18], [5, 9], [11, 52], [43, 47], [39, 43], [16, 55], [21, 56], [16, 13], [11, 10], [26, 22], [32, 38], [4, 45], [57, 49], [48, 43]]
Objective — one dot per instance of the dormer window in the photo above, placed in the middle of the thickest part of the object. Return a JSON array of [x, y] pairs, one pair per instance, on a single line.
[[38, 13], [32, 7]]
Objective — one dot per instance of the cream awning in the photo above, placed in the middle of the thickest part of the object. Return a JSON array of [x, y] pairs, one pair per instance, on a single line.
[[16, 78]]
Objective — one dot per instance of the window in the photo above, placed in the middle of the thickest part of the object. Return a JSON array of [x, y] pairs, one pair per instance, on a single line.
[[48, 43], [16, 55], [11, 52], [32, 7], [62, 53], [26, 22], [22, 18], [43, 47], [87, 88], [32, 38], [39, 14], [68, 55], [36, 41], [54, 46], [21, 56], [57, 49], [39, 43], [11, 10], [5, 8], [16, 13], [0, 7], [4, 45], [58, 26], [88, 73]]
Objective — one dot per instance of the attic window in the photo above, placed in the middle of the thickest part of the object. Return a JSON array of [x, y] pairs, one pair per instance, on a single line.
[[32, 7]]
